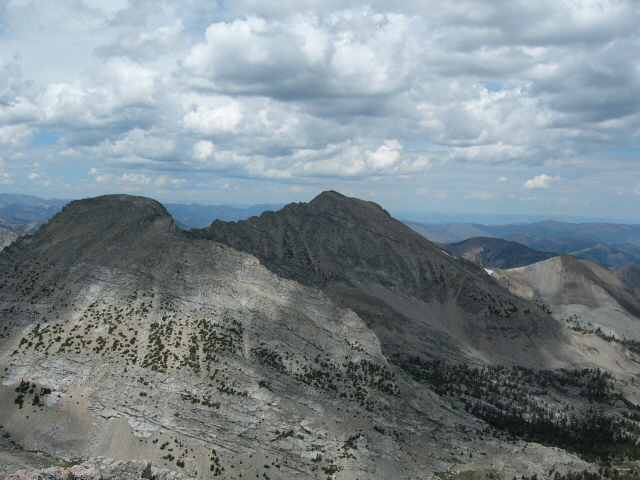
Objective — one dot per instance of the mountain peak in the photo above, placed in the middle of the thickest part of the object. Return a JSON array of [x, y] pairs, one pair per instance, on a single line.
[[113, 211], [95, 226], [331, 201], [392, 277]]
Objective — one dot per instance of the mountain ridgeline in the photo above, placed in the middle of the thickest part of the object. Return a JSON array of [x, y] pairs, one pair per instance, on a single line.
[[415, 296], [324, 340], [497, 253]]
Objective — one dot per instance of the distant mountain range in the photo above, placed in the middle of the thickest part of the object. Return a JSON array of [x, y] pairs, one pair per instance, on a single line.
[[198, 216], [25, 213], [611, 245], [608, 233]]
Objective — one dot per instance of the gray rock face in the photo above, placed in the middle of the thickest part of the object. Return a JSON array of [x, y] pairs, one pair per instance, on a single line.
[[98, 469], [630, 276], [7, 237]]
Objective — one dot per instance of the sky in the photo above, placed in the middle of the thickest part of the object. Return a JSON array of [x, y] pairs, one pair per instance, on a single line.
[[480, 106]]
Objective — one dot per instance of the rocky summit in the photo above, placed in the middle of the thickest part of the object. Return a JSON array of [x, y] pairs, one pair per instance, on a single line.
[[325, 340], [418, 298]]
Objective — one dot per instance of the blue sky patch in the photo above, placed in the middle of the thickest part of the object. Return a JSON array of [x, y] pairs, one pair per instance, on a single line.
[[47, 137]]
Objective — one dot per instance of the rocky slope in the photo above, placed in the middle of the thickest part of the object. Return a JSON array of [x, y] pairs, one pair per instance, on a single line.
[[566, 280], [98, 469], [125, 338], [416, 297], [599, 309], [7, 237], [630, 276]]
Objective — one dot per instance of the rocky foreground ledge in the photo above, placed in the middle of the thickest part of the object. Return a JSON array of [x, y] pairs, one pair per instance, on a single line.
[[99, 469]]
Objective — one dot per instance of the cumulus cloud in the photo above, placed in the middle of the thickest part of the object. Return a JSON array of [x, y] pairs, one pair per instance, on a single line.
[[306, 55], [124, 179], [11, 81], [347, 159], [316, 90], [541, 182], [5, 178], [207, 120], [351, 160], [144, 46], [480, 195], [203, 149]]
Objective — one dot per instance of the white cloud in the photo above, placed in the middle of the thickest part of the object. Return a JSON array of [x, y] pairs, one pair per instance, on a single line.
[[146, 45], [203, 149], [349, 160], [135, 148], [480, 195], [5, 178], [34, 176], [178, 182], [124, 179], [210, 121], [313, 90], [540, 182], [502, 179], [306, 55], [386, 157], [15, 135]]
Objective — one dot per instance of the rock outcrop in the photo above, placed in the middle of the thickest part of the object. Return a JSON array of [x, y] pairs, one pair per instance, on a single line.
[[7, 237], [98, 469]]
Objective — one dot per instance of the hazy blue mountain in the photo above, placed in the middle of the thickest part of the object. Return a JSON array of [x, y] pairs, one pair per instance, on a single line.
[[560, 245], [19, 212], [607, 233], [198, 216], [25, 213]]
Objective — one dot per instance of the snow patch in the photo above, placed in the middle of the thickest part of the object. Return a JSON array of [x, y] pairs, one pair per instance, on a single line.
[[488, 271]]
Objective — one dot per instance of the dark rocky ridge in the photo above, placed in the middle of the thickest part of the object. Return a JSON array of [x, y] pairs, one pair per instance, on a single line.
[[497, 253], [416, 297]]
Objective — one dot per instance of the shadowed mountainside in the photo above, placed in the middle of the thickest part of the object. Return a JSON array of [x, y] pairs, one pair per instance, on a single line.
[[416, 297], [630, 276], [536, 234], [497, 253]]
